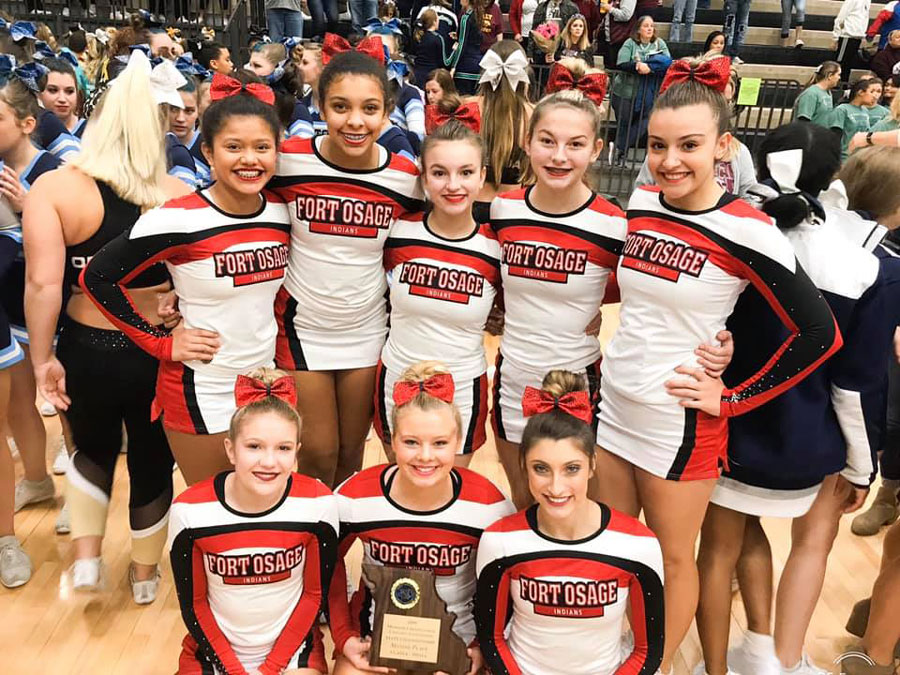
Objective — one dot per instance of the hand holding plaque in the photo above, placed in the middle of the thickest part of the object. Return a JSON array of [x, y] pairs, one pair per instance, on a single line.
[[412, 630]]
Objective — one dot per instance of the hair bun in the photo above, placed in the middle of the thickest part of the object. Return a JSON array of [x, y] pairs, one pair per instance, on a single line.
[[558, 383]]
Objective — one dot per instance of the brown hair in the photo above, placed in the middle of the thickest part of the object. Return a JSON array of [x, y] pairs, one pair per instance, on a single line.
[[825, 69], [426, 22], [452, 130], [268, 404], [557, 425], [273, 52], [583, 42], [636, 31], [443, 77], [870, 176], [503, 114], [419, 372]]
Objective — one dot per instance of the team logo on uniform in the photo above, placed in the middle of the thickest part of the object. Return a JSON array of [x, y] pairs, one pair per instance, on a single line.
[[571, 599], [544, 263], [252, 266], [662, 258], [442, 559], [344, 217], [250, 569], [441, 283]]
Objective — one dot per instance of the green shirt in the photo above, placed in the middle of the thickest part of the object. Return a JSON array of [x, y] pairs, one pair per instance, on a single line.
[[850, 119], [877, 113], [886, 124], [632, 52], [814, 105]]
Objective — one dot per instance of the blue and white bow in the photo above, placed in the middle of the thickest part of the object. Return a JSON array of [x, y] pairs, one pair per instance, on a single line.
[[29, 73], [68, 56], [22, 30], [43, 51], [186, 65], [397, 71], [379, 27], [289, 44]]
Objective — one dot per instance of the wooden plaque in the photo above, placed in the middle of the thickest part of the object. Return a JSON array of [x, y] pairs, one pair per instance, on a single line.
[[412, 628]]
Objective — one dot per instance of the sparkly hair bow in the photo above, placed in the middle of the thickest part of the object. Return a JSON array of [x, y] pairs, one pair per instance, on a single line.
[[149, 19], [43, 51], [290, 43], [333, 45], [249, 390], [493, 68], [187, 66], [439, 386], [68, 56], [379, 27], [575, 403], [224, 86], [146, 51], [713, 73], [4, 24], [22, 30], [397, 70], [29, 73], [467, 113], [592, 85]]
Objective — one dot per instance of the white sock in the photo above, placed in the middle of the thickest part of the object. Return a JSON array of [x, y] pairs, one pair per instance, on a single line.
[[794, 668], [759, 643]]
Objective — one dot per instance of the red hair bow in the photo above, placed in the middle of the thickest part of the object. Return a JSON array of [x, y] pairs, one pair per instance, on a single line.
[[439, 386], [224, 86], [333, 45], [467, 113], [713, 73], [592, 85], [575, 403], [248, 390]]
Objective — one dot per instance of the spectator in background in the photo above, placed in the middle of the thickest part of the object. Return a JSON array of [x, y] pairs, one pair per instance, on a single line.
[[715, 44], [683, 12], [466, 57], [737, 21], [439, 84], [558, 11], [621, 18], [887, 20], [216, 57], [432, 49], [853, 117], [324, 17], [892, 121], [787, 11], [849, 31], [591, 11], [521, 16], [884, 61], [891, 86], [574, 42], [284, 19], [447, 21], [815, 103], [877, 112], [491, 25]]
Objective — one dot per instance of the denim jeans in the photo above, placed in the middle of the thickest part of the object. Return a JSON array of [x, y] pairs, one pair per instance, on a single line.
[[284, 23], [787, 7], [631, 124], [324, 16], [737, 19], [683, 12], [360, 13]]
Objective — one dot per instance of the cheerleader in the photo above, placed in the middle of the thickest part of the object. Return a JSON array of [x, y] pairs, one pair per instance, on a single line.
[[662, 427], [445, 271], [344, 193], [22, 164], [421, 513], [98, 377], [555, 581], [466, 55], [59, 94], [226, 249], [253, 548], [311, 69], [183, 134]]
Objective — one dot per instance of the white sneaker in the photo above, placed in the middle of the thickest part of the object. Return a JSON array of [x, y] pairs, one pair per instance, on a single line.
[[61, 461], [700, 669], [144, 592], [87, 574], [63, 524], [32, 492], [15, 565], [754, 656], [46, 408], [805, 667]]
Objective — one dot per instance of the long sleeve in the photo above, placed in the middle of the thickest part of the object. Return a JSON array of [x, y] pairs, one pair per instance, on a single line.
[[106, 275], [464, 29], [414, 111], [647, 619], [493, 606], [625, 59], [339, 620], [883, 16], [837, 31], [190, 585], [321, 555], [624, 11], [774, 271], [745, 170], [515, 17]]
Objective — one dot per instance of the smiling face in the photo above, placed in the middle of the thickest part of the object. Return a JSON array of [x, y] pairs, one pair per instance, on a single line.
[[562, 147], [453, 176], [182, 121], [60, 95], [425, 443], [558, 475], [264, 453], [683, 145], [355, 113], [242, 155], [433, 92]]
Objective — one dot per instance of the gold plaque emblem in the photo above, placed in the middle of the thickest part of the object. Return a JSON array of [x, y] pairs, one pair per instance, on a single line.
[[405, 593]]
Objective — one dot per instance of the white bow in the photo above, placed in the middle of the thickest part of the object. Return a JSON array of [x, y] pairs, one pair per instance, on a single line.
[[784, 167], [165, 81], [493, 68], [101, 35]]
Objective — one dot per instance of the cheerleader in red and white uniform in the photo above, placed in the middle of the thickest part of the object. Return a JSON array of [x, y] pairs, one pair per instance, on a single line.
[[555, 581], [253, 548], [421, 512], [445, 275], [344, 192], [691, 250], [226, 248]]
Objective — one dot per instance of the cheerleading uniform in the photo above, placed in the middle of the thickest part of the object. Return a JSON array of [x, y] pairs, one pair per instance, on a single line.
[[11, 351], [51, 135], [12, 291], [555, 268], [442, 291], [226, 270], [331, 312], [820, 426], [546, 605], [680, 276], [444, 541], [409, 114], [202, 170], [78, 129], [251, 585], [180, 161]]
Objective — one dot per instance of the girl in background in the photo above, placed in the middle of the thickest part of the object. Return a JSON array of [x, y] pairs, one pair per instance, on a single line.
[[575, 41], [464, 61], [438, 84], [853, 117], [432, 51], [59, 94], [714, 44], [816, 103]]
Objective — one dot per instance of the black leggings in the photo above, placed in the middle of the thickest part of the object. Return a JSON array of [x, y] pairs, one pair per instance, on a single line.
[[890, 454], [110, 382]]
